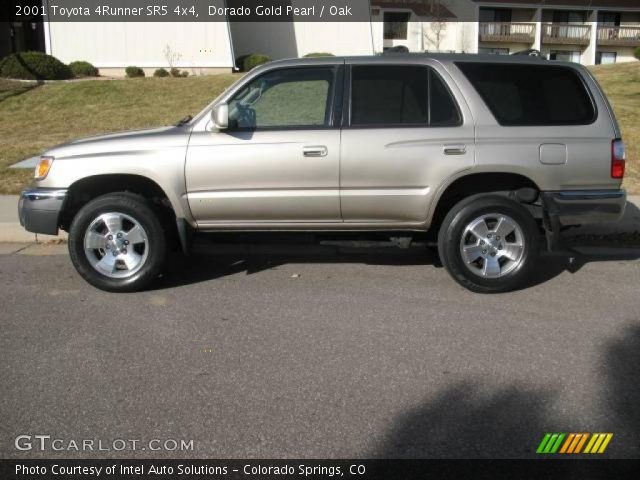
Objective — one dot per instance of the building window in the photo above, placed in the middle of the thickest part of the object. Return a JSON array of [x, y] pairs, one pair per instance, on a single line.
[[605, 58], [395, 25], [495, 15], [564, 56], [565, 16], [494, 51], [609, 19]]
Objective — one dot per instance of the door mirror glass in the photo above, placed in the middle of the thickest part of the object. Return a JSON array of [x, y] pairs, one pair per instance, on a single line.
[[220, 116]]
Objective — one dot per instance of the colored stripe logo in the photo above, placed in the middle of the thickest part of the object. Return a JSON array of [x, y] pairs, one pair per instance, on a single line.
[[572, 443]]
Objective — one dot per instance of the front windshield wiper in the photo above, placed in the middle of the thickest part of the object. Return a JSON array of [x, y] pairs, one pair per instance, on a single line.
[[184, 121]]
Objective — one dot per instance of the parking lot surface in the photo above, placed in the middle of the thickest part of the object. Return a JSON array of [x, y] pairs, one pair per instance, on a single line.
[[318, 353]]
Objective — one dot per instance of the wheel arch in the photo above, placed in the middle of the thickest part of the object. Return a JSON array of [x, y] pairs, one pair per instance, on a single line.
[[476, 183], [86, 189]]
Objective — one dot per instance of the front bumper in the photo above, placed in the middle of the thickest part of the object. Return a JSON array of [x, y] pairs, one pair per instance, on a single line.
[[39, 209], [583, 207]]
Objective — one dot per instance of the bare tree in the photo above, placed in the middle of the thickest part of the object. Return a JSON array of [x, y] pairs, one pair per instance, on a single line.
[[171, 56], [437, 25]]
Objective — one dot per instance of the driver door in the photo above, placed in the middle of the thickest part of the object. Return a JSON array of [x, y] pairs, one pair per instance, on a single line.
[[278, 161]]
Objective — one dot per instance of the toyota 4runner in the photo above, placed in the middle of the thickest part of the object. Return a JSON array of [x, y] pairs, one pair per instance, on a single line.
[[492, 155]]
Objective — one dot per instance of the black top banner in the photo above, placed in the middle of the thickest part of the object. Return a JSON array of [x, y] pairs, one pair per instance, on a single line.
[[185, 10]]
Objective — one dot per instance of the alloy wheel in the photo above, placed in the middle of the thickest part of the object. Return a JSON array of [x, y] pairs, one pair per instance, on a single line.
[[492, 245]]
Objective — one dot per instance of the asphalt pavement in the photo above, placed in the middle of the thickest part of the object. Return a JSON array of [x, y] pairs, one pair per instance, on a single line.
[[317, 353]]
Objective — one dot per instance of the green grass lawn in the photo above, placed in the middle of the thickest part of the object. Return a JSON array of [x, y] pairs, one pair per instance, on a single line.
[[621, 83], [36, 117]]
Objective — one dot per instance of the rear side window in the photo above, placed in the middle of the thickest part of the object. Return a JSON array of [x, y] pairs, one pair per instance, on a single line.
[[531, 94], [400, 96]]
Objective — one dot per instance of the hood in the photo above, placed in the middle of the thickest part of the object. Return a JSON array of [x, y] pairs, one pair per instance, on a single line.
[[123, 143]]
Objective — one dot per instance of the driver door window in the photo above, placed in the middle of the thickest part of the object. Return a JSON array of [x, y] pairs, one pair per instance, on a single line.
[[295, 98]]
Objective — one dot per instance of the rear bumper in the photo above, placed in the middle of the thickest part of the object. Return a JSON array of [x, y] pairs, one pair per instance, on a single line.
[[583, 207], [39, 209]]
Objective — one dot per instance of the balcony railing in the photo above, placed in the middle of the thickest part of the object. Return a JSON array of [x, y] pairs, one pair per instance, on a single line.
[[507, 32], [566, 33], [623, 36]]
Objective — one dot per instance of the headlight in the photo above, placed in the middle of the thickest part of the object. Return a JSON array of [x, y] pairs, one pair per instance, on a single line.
[[43, 167]]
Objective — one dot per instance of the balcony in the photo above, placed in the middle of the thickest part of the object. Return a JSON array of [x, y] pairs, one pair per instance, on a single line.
[[619, 36], [566, 33], [507, 32]]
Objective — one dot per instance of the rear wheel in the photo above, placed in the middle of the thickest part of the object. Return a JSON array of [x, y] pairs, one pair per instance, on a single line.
[[117, 243], [489, 243]]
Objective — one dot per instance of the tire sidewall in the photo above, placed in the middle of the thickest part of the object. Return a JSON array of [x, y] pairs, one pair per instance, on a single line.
[[453, 228], [139, 209]]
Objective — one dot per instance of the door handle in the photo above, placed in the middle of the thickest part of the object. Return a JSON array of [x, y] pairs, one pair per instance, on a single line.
[[454, 149], [314, 151]]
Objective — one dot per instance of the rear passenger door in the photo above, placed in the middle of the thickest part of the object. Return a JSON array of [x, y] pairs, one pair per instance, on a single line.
[[406, 129]]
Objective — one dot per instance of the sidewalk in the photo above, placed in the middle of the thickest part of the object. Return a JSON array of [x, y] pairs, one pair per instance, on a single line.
[[12, 232], [10, 229]]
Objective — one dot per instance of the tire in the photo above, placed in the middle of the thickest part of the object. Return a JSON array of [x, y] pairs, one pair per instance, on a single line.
[[125, 242], [477, 256]]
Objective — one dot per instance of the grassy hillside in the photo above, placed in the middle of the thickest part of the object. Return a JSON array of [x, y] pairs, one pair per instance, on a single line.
[[36, 117], [621, 83], [33, 118]]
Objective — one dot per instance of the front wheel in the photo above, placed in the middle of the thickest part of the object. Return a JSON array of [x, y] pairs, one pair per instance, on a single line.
[[489, 244], [117, 243]]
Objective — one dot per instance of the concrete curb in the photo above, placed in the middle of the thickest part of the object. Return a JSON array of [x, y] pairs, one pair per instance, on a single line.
[[12, 232], [10, 229]]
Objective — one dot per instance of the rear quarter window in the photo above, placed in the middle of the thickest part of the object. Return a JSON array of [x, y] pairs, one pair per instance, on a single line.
[[533, 95]]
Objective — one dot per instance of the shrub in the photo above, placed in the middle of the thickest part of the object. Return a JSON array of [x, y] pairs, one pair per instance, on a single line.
[[175, 72], [83, 69], [636, 53], [253, 60], [133, 72], [319, 54], [34, 66], [161, 72]]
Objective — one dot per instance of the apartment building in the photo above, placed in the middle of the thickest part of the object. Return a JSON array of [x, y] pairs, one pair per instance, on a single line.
[[584, 31]]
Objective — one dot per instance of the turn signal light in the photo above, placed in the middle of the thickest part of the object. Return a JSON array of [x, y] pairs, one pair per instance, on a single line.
[[617, 158], [43, 167]]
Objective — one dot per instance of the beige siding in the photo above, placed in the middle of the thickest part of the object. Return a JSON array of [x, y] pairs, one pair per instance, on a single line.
[[622, 54], [339, 38], [116, 45], [422, 31], [295, 39]]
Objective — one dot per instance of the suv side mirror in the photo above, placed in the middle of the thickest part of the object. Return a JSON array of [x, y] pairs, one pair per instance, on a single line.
[[220, 116]]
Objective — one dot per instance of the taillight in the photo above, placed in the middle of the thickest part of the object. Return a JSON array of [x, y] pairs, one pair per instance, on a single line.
[[617, 159]]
